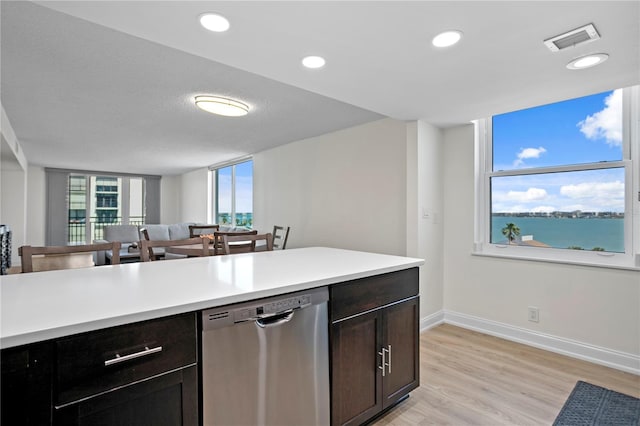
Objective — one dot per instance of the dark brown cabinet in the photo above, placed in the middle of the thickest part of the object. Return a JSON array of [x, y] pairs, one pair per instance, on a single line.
[[374, 345], [167, 400], [25, 386], [400, 326], [146, 373], [137, 374]]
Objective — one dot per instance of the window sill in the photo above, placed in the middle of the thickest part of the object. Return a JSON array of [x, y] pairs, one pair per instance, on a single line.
[[559, 261]]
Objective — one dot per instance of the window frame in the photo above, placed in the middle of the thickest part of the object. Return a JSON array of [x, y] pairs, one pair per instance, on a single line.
[[119, 192], [483, 157], [213, 179]]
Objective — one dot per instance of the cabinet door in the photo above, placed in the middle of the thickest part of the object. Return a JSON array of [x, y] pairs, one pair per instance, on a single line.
[[356, 384], [25, 385], [401, 344], [168, 400]]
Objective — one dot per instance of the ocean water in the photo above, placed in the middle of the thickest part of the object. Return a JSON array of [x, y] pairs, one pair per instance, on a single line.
[[565, 232]]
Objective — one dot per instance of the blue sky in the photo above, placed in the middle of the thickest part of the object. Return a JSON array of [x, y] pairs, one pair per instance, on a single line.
[[244, 188], [582, 130]]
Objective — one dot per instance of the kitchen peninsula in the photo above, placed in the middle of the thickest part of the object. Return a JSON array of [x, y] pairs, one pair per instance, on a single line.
[[58, 318]]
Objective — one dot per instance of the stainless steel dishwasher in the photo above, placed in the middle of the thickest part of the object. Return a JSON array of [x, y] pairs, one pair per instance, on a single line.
[[266, 362]]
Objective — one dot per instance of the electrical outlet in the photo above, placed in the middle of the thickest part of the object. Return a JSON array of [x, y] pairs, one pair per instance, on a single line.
[[534, 314]]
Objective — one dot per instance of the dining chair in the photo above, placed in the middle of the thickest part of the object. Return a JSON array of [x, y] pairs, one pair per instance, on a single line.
[[51, 258], [280, 236], [248, 243], [196, 230], [218, 243], [201, 246]]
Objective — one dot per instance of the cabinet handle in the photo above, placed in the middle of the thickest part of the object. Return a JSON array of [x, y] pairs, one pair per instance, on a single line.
[[386, 360], [389, 364], [145, 352], [382, 354]]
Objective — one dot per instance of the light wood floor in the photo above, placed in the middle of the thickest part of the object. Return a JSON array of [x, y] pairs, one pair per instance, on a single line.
[[469, 378]]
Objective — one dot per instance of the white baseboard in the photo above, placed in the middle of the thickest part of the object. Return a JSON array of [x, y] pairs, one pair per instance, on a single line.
[[598, 355], [431, 321]]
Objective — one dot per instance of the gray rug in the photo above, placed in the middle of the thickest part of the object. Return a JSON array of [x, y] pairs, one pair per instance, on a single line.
[[593, 405]]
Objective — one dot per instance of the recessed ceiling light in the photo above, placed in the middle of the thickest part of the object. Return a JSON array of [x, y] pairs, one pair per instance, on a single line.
[[447, 38], [222, 106], [313, 61], [587, 61], [214, 22]]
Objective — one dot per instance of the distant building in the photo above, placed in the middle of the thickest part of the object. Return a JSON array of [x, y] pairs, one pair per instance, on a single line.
[[525, 240], [96, 201]]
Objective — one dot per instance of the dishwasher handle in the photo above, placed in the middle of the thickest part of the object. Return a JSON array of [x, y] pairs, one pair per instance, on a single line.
[[275, 320]]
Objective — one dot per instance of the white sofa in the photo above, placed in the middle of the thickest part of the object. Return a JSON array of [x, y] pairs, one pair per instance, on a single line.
[[130, 235], [127, 235]]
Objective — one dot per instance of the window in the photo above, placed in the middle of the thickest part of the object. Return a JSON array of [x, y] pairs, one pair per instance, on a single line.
[[74, 197], [77, 199], [233, 194], [560, 182], [104, 200]]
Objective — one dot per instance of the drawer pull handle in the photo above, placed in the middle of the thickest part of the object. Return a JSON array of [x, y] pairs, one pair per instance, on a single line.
[[124, 358]]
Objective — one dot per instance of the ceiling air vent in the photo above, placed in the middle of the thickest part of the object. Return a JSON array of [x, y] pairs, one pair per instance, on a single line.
[[572, 38]]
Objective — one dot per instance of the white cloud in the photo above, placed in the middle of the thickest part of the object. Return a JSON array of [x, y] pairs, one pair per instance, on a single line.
[[531, 194], [607, 123], [543, 209], [594, 196], [587, 190], [528, 153], [502, 208], [576, 207]]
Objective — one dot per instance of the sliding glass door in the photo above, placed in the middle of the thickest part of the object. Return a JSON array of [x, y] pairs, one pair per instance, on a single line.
[[96, 201]]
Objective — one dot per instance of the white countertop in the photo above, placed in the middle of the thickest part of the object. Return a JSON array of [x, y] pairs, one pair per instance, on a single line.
[[44, 305]]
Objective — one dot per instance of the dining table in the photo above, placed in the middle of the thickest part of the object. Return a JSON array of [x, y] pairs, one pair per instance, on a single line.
[[194, 250]]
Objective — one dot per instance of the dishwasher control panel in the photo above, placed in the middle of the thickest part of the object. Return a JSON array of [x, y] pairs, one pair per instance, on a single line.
[[271, 308], [262, 308], [283, 305]]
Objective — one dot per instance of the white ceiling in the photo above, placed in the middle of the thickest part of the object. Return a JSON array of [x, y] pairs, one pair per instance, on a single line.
[[114, 88]]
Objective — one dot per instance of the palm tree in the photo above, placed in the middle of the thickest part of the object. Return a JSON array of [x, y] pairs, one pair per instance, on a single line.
[[511, 231]]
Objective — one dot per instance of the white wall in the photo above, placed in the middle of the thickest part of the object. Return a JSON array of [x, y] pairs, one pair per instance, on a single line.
[[425, 235], [345, 189], [36, 205], [170, 199], [13, 187], [194, 190], [590, 305], [185, 198], [10, 140]]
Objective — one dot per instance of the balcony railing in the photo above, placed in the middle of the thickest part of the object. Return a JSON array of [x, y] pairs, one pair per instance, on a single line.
[[78, 228], [241, 219]]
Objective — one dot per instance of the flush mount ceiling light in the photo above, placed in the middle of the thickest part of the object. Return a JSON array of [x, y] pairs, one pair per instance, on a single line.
[[313, 61], [214, 22], [587, 61], [447, 38], [222, 106]]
